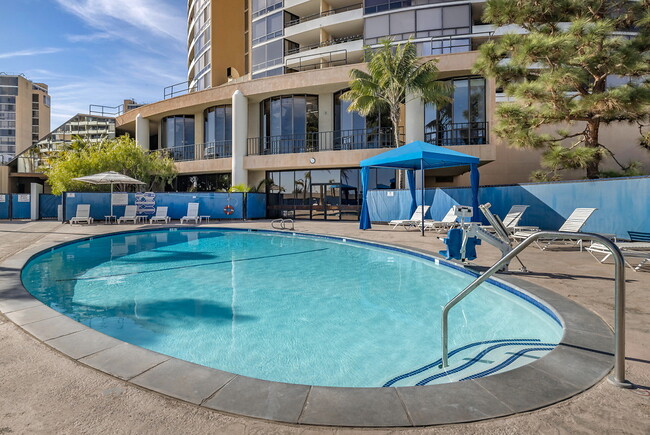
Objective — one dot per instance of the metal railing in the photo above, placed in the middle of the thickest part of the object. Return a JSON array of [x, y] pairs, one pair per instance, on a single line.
[[322, 141], [201, 151], [99, 110], [178, 89], [323, 44], [460, 133], [310, 61], [323, 14], [618, 378], [397, 4]]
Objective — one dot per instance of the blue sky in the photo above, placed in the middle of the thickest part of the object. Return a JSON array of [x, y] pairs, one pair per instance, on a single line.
[[95, 51]]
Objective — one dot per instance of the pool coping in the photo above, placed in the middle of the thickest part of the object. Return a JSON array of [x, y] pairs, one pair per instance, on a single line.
[[582, 359]]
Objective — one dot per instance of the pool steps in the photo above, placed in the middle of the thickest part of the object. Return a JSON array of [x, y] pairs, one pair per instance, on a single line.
[[468, 364]]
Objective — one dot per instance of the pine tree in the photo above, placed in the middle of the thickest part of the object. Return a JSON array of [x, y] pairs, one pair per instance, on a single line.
[[557, 70]]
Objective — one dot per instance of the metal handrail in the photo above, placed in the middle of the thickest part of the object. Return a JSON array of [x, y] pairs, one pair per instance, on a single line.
[[618, 378]]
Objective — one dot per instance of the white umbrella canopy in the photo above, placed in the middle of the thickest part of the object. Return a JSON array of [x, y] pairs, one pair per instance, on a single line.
[[109, 177]]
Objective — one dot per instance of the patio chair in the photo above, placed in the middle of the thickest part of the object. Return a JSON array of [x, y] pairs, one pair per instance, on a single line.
[[130, 212], [192, 213], [161, 215], [637, 247], [415, 220], [511, 220], [573, 224], [447, 222], [82, 215]]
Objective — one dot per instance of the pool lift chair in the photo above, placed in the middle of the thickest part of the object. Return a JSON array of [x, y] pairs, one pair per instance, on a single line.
[[472, 233]]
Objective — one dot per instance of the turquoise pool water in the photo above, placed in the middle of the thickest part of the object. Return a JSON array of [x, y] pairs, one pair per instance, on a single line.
[[288, 308]]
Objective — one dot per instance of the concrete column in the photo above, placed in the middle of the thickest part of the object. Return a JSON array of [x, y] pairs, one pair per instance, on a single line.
[[414, 122], [142, 132], [199, 135], [326, 120], [239, 137]]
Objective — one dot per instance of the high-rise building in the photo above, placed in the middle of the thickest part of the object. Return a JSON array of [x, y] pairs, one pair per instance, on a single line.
[[265, 79], [217, 42], [24, 114]]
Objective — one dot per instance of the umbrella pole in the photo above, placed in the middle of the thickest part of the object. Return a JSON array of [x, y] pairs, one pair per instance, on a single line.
[[111, 199], [422, 192]]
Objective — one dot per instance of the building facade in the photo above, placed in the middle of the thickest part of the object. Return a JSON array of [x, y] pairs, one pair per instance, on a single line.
[[24, 114], [264, 108]]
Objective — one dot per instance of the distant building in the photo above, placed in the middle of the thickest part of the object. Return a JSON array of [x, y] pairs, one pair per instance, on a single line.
[[24, 114], [28, 166]]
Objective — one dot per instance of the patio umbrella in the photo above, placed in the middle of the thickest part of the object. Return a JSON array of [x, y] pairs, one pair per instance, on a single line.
[[109, 177]]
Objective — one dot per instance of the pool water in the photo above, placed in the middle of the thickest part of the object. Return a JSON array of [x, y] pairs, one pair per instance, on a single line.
[[289, 308]]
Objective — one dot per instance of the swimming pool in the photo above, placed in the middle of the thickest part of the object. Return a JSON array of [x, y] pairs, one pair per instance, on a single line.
[[289, 307]]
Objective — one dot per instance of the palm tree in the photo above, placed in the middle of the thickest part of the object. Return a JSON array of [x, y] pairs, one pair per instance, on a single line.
[[394, 73]]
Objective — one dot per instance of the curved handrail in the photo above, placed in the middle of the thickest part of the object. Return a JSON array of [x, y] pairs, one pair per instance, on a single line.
[[618, 378]]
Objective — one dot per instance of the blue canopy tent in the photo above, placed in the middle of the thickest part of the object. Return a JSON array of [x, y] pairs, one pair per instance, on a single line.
[[417, 155]]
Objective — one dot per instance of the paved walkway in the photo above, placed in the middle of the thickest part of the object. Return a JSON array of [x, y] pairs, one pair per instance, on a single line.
[[42, 391]]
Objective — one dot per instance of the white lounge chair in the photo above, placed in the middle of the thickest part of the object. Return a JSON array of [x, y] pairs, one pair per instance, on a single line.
[[192, 213], [573, 224], [415, 220], [637, 247], [130, 214], [161, 215], [640, 250], [511, 220], [447, 222], [82, 215]]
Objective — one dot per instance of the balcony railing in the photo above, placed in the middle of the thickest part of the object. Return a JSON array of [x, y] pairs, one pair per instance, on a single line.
[[323, 14], [322, 141], [398, 4], [327, 43], [309, 62], [201, 151], [464, 133], [177, 89]]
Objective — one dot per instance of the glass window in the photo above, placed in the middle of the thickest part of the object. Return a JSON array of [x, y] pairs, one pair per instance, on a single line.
[[8, 81], [8, 90], [462, 122], [178, 131]]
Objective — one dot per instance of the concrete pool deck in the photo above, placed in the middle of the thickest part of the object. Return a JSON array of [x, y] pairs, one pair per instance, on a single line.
[[44, 391]]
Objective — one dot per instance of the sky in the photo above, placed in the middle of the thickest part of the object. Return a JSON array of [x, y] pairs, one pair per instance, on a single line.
[[95, 51]]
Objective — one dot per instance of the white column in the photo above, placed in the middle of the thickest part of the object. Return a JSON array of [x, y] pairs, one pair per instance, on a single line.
[[142, 132], [35, 191], [239, 137], [414, 128]]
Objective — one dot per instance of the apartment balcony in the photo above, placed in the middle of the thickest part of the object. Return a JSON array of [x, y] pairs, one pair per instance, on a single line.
[[458, 134], [201, 151], [336, 23], [327, 54], [342, 140]]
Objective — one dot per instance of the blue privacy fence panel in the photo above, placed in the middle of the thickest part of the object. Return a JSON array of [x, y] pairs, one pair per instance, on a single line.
[[100, 204], [255, 205], [623, 203], [4, 206], [210, 204], [48, 206], [21, 206]]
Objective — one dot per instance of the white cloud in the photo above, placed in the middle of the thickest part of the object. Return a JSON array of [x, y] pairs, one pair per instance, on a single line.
[[89, 38], [29, 52], [155, 17], [109, 85]]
